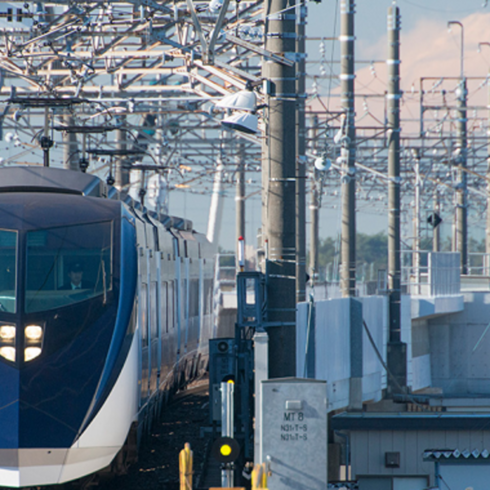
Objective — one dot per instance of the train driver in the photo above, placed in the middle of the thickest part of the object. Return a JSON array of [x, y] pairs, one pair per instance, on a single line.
[[75, 274]]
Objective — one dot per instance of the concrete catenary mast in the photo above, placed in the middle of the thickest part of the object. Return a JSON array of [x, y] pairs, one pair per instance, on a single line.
[[348, 151], [279, 187], [397, 356]]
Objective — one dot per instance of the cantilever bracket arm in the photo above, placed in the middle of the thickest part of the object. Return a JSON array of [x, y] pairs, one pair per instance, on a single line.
[[197, 26]]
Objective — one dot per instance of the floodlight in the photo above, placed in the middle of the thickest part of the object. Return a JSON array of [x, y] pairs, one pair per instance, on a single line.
[[242, 121], [323, 163], [215, 5], [245, 100]]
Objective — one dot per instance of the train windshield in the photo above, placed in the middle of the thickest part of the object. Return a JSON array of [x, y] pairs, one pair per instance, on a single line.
[[8, 275], [68, 264]]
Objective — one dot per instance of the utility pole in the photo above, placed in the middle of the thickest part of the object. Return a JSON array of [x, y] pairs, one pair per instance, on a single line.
[[279, 188], [314, 212], [461, 189], [416, 215], [396, 350], [45, 141], [240, 193], [216, 207], [487, 231], [436, 236], [461, 238], [70, 146], [300, 158], [348, 151], [122, 171]]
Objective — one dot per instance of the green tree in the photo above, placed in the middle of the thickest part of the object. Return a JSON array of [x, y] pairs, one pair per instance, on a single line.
[[370, 249]]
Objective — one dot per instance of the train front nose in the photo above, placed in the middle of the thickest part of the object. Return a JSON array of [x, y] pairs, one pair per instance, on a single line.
[[44, 405], [60, 347]]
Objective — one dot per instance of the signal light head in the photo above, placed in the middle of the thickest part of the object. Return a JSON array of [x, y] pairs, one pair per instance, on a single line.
[[226, 449]]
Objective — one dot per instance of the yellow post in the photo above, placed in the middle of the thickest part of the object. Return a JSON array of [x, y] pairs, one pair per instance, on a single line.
[[259, 477], [185, 467]]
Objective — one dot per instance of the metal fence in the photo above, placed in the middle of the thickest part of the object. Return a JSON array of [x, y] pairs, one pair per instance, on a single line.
[[423, 273], [430, 273], [478, 264]]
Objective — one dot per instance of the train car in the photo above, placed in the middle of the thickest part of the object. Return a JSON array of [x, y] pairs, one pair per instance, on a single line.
[[105, 308]]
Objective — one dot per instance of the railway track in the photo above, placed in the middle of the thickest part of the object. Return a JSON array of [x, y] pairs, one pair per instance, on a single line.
[[158, 466]]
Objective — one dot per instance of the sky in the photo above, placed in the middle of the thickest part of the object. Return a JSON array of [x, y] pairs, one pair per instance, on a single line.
[[427, 49]]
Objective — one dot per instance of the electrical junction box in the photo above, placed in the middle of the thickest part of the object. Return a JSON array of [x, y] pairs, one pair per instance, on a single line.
[[293, 433]]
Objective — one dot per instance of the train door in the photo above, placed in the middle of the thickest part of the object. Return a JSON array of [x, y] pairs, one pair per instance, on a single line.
[[178, 299], [143, 323], [152, 273], [147, 356], [172, 322], [154, 337], [142, 307], [160, 316], [165, 338], [187, 299], [201, 302]]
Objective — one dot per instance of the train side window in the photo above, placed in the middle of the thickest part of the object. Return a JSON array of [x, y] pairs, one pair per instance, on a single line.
[[171, 307], [165, 304], [144, 314], [156, 238], [208, 296], [153, 310], [174, 304], [194, 298]]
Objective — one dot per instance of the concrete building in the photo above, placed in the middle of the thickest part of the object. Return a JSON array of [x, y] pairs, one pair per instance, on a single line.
[[440, 427], [416, 451]]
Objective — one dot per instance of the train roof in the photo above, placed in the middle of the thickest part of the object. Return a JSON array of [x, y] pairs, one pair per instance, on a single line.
[[25, 178], [47, 179]]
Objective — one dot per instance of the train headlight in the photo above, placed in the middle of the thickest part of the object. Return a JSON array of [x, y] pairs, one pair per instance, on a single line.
[[33, 341], [8, 352], [33, 332], [31, 353], [7, 332]]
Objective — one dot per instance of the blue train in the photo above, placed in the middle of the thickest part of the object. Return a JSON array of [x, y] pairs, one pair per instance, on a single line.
[[105, 308]]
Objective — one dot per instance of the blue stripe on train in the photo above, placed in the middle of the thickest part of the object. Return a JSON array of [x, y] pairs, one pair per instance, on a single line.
[[124, 329]]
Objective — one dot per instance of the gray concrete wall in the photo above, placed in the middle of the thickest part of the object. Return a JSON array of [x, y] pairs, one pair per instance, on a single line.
[[460, 348], [421, 355], [420, 338], [342, 352]]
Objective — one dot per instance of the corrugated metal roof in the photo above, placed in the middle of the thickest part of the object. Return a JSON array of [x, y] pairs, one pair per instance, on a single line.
[[444, 454]]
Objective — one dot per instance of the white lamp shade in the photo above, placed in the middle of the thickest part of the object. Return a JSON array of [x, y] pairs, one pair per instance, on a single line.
[[242, 121], [215, 5], [244, 100], [322, 164]]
